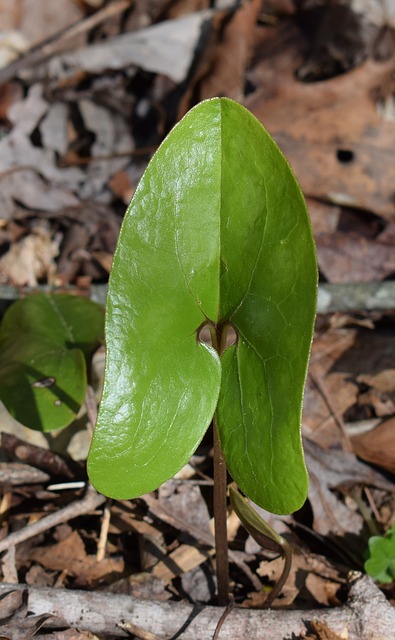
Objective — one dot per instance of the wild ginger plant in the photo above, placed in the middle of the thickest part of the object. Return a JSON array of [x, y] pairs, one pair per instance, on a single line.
[[217, 235]]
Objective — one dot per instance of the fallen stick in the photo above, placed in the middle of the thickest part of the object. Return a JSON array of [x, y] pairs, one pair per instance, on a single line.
[[367, 615]]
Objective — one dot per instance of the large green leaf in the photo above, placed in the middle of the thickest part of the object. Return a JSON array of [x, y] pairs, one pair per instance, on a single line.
[[45, 341], [217, 232]]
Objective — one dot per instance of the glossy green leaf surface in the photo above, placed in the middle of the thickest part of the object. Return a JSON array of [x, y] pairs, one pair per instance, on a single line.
[[45, 341], [217, 232]]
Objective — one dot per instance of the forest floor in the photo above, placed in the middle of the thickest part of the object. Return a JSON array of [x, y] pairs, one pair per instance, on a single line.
[[87, 92]]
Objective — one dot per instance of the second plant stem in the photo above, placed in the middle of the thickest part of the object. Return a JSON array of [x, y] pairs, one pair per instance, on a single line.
[[218, 337]]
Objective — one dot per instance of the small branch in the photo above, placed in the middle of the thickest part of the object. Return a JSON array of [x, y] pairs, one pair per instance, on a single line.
[[88, 503], [91, 407], [105, 525], [17, 473], [31, 454], [366, 614]]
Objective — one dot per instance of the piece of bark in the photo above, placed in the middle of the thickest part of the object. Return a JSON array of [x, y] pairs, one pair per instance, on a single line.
[[367, 614], [44, 459], [15, 473]]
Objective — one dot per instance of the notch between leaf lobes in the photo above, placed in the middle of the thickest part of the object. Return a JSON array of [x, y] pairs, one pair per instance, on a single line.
[[220, 336]]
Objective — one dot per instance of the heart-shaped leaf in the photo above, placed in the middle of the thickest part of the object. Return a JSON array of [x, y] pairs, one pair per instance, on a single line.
[[217, 233], [45, 341]]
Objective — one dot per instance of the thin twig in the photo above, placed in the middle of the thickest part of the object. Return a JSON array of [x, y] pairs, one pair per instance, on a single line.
[[91, 406], [88, 503], [372, 504], [5, 504], [105, 525]]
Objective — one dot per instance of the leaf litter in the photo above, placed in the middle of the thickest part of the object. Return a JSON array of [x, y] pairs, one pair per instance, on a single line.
[[77, 129]]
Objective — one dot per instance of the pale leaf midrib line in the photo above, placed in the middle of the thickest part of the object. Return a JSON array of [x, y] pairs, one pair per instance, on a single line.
[[176, 247], [61, 318], [257, 258], [244, 424], [163, 443], [264, 364]]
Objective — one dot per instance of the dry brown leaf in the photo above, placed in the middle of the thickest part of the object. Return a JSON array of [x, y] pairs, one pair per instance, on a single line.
[[318, 420], [232, 54], [11, 12], [378, 446], [39, 577], [104, 259], [383, 381], [324, 217], [10, 93], [71, 634], [145, 585], [181, 560], [167, 47], [308, 571], [41, 19], [31, 259], [121, 186], [15, 622], [348, 257], [339, 146], [381, 405], [331, 470], [69, 555], [185, 503]]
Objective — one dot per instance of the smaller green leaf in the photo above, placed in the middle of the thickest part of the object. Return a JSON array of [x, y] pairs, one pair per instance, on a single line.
[[264, 535], [381, 562], [45, 341], [256, 526]]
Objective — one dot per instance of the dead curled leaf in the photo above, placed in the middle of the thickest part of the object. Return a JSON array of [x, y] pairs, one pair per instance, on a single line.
[[351, 258], [69, 554]]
